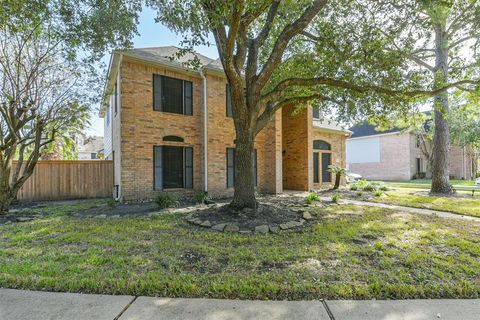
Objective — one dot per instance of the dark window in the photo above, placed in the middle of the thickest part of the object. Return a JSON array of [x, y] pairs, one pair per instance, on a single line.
[[326, 162], [419, 165], [321, 145], [228, 93], [188, 167], [316, 177], [93, 156], [172, 95], [316, 113], [231, 167], [173, 167], [173, 138], [116, 98]]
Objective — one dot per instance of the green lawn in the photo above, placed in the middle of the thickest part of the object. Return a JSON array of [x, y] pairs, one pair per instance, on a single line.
[[429, 182], [460, 205], [352, 252]]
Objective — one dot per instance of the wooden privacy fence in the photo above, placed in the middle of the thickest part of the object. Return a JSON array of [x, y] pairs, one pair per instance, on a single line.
[[63, 180]]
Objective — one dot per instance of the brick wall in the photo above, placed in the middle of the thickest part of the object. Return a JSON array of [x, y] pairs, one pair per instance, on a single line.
[[337, 142], [297, 162], [394, 159], [143, 128]]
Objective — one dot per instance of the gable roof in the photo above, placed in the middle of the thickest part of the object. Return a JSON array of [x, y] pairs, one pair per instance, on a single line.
[[365, 129], [166, 55], [329, 125]]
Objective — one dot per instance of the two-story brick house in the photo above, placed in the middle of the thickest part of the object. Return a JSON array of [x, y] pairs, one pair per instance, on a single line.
[[396, 154], [170, 128]]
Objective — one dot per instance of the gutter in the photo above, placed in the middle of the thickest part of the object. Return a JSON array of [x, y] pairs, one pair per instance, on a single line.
[[205, 132]]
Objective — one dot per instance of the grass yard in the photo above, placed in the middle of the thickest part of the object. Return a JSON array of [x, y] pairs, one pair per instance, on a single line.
[[461, 205], [429, 182], [352, 252]]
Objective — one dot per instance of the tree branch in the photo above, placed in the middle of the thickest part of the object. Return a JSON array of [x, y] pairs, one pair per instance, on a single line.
[[284, 38], [277, 91]]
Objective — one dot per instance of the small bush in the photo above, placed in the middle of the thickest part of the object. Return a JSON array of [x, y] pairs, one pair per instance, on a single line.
[[383, 188], [201, 197], [166, 200], [111, 203], [378, 193], [353, 187], [369, 188], [362, 183], [336, 197], [359, 194], [311, 197]]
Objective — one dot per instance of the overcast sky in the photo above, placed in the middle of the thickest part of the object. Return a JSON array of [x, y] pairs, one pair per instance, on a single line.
[[151, 35]]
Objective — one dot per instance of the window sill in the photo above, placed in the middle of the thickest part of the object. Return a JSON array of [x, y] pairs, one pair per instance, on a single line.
[[172, 113]]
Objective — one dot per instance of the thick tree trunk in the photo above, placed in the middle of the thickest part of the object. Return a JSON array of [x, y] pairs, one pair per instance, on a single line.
[[441, 137], [244, 194], [6, 198]]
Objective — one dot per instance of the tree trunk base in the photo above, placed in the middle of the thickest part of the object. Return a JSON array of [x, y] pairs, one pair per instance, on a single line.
[[442, 190]]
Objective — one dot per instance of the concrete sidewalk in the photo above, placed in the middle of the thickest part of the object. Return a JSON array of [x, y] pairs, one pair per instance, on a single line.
[[33, 305]]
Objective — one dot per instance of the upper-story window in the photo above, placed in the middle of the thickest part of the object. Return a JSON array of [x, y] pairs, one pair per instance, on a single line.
[[172, 95], [316, 113], [228, 94]]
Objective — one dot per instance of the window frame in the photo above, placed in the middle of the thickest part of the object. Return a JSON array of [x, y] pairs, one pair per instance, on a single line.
[[186, 184], [186, 95]]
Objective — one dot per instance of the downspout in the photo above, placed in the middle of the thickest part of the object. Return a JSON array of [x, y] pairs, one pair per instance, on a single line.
[[205, 132]]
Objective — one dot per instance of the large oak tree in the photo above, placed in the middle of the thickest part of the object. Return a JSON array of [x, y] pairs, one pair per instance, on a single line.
[[275, 53]]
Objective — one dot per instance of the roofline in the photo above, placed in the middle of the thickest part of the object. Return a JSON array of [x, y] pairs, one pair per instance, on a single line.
[[379, 135], [117, 56], [337, 131]]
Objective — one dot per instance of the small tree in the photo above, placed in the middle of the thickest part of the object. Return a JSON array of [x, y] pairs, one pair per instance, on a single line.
[[339, 172], [39, 97]]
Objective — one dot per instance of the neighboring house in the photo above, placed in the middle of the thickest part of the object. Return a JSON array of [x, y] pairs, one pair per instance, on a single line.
[[396, 155], [89, 147], [171, 128]]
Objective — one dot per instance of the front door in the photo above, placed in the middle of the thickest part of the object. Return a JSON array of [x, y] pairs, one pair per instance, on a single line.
[[326, 161]]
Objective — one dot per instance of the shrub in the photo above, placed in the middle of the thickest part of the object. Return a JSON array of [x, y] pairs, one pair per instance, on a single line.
[[420, 175], [378, 193], [354, 187], [166, 200], [311, 197], [359, 194], [338, 172], [111, 203], [336, 197], [201, 197], [369, 188], [362, 183], [383, 188]]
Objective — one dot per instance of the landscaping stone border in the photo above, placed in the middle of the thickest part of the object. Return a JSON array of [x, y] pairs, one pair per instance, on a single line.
[[259, 229]]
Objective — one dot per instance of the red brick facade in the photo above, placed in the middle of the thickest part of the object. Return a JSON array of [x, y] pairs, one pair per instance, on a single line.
[[284, 147]]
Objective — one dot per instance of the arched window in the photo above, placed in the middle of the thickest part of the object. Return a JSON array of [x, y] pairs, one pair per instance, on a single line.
[[321, 145], [173, 138]]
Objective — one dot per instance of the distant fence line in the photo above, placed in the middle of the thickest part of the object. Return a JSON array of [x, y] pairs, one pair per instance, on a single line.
[[63, 180]]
